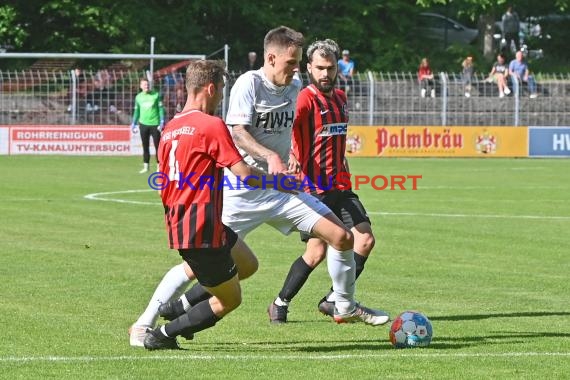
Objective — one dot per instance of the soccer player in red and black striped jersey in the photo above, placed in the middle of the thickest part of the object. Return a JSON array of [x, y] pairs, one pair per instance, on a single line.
[[319, 144], [194, 149], [319, 132]]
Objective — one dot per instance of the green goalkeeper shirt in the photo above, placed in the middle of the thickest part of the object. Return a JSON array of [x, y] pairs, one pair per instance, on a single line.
[[148, 108]]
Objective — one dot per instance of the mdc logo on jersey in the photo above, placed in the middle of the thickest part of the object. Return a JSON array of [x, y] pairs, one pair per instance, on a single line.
[[334, 129]]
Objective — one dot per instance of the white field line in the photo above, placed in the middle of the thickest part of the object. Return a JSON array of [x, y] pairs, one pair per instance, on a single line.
[[479, 187], [104, 197], [483, 216], [393, 354]]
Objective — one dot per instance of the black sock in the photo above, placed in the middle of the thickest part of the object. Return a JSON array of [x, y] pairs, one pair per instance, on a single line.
[[360, 261], [197, 294], [296, 278], [198, 318]]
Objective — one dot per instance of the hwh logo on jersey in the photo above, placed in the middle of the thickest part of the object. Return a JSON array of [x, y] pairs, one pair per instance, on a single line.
[[334, 129], [269, 121]]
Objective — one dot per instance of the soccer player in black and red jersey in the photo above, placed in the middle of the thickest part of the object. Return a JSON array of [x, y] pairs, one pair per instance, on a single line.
[[196, 142], [319, 144]]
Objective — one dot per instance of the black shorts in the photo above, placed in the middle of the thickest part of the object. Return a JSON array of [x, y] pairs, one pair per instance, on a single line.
[[346, 206], [212, 266]]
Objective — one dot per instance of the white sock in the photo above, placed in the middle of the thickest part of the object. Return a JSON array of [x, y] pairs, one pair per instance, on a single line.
[[170, 284], [279, 302], [342, 270]]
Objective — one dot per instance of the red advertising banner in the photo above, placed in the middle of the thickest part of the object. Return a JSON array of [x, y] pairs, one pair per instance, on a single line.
[[72, 140]]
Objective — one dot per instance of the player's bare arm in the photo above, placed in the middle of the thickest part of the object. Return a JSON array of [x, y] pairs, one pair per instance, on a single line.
[[346, 165], [258, 178], [244, 140], [293, 166]]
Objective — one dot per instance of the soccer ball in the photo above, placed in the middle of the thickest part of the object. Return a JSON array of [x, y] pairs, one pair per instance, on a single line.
[[411, 329]]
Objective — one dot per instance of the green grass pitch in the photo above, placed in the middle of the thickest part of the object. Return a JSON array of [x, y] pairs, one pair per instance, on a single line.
[[481, 247]]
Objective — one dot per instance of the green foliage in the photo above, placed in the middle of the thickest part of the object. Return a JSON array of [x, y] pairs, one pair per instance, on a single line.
[[380, 34], [12, 32], [475, 8]]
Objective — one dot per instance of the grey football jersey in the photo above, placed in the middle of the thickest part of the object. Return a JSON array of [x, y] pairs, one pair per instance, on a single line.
[[268, 109]]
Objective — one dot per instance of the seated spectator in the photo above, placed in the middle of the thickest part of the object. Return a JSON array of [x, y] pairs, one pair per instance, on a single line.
[[345, 70], [101, 96], [518, 70], [467, 74], [426, 79], [499, 74], [173, 93], [80, 89]]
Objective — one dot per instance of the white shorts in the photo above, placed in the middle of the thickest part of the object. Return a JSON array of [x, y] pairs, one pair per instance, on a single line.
[[245, 211]]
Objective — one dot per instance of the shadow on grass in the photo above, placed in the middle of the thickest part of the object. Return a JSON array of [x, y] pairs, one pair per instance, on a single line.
[[369, 345], [470, 317], [299, 346], [441, 342], [382, 344], [447, 342]]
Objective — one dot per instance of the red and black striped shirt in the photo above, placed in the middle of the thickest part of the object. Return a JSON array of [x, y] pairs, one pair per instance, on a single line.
[[319, 137], [194, 148]]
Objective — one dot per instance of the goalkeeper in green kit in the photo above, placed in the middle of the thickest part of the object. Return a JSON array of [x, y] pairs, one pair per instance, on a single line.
[[149, 117]]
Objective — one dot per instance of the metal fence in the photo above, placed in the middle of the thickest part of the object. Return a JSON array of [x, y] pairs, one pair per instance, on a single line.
[[106, 97]]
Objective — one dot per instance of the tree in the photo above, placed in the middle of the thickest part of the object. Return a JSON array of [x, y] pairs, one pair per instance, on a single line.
[[12, 32], [486, 12], [380, 34]]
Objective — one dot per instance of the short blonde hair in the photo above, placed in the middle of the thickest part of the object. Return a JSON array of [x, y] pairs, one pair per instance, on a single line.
[[200, 73]]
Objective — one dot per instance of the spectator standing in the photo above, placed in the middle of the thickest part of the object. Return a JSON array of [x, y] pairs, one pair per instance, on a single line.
[[511, 27], [173, 92], [467, 74], [426, 79], [518, 70], [346, 70], [251, 61]]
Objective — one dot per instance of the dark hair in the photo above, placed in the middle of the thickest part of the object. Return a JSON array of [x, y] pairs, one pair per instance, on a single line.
[[203, 72], [283, 36]]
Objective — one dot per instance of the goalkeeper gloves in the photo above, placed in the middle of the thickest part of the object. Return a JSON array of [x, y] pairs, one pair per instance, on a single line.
[[134, 128], [161, 126]]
